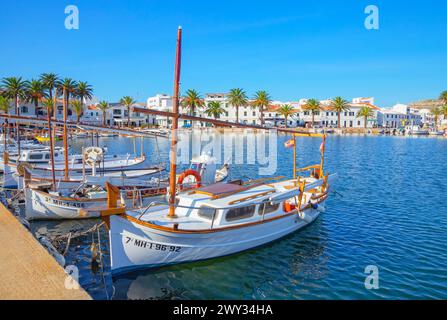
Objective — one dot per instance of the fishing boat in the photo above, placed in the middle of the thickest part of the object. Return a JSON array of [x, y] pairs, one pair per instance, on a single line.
[[45, 138], [214, 220], [435, 132], [414, 130], [42, 203]]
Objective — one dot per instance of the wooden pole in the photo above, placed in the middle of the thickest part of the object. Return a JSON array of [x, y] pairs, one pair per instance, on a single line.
[[173, 166], [51, 140], [65, 134], [294, 157], [322, 157]]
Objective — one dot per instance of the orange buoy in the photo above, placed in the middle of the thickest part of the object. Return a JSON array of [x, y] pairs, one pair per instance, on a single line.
[[188, 173]]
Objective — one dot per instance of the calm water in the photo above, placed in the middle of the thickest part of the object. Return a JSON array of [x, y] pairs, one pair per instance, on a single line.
[[391, 212]]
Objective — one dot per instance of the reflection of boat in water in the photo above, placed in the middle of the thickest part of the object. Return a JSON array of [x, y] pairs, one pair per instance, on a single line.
[[436, 133]]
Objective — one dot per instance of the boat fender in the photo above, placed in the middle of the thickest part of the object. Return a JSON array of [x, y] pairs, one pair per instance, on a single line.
[[188, 173], [314, 206], [289, 207]]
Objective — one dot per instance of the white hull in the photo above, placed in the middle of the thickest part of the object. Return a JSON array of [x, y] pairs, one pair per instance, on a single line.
[[41, 206], [136, 246]]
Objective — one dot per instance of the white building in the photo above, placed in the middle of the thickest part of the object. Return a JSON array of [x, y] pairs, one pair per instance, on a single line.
[[399, 116]]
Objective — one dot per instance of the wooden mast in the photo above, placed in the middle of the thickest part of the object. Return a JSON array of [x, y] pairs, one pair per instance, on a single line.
[[173, 155], [65, 134], [51, 139]]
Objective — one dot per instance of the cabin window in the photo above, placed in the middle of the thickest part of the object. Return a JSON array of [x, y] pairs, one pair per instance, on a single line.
[[206, 212], [36, 156], [240, 213], [268, 207], [47, 156]]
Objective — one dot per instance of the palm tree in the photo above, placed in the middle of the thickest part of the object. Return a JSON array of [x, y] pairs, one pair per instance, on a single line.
[[78, 108], [49, 81], [286, 110], [261, 100], [84, 90], [340, 105], [237, 98], [437, 111], [4, 104], [214, 109], [15, 88], [67, 86], [35, 92], [443, 97], [103, 106], [192, 100], [127, 101], [314, 106], [4, 107], [365, 112]]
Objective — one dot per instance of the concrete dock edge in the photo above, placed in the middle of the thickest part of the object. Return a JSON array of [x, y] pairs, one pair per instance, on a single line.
[[27, 270]]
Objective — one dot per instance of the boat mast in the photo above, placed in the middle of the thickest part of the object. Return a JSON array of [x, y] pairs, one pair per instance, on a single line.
[[51, 139], [65, 135], [173, 155]]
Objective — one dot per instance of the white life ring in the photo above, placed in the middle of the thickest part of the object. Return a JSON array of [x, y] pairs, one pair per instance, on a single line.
[[92, 155]]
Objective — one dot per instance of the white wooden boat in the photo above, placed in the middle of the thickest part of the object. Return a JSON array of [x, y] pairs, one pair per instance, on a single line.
[[42, 204], [414, 130], [214, 221]]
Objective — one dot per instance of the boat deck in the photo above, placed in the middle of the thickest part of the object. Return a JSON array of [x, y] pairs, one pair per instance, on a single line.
[[27, 271]]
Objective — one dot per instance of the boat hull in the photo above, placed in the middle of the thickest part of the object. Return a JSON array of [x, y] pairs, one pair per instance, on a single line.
[[42, 206], [135, 246]]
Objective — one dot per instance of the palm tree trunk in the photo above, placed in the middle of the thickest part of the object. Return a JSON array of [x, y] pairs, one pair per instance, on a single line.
[[286, 120], [36, 107], [237, 114], [262, 116], [128, 116], [313, 119], [339, 119], [104, 118], [366, 122]]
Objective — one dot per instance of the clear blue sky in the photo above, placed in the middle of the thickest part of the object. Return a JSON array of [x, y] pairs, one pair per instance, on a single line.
[[292, 49]]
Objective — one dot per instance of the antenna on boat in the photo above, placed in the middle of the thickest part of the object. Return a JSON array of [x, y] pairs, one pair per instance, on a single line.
[[65, 135], [51, 138], [173, 156]]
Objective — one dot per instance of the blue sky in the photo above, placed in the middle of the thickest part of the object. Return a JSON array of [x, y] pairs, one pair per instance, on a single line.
[[292, 49]]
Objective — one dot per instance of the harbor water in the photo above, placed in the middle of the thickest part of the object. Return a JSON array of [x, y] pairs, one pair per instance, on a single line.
[[389, 211]]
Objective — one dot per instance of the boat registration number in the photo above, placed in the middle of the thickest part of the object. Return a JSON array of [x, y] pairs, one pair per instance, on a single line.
[[151, 246], [65, 203]]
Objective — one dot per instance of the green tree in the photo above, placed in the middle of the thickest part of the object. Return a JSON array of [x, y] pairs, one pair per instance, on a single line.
[[78, 109], [314, 106], [192, 101], [127, 101], [84, 91], [437, 111], [4, 107], [365, 112], [286, 110], [49, 81], [103, 106], [35, 92], [15, 88], [261, 100], [443, 97], [214, 109], [237, 98], [339, 105], [68, 88]]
